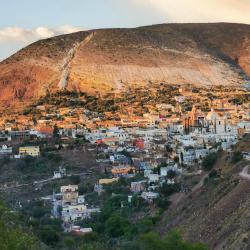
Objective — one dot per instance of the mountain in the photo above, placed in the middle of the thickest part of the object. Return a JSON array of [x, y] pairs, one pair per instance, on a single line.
[[112, 59]]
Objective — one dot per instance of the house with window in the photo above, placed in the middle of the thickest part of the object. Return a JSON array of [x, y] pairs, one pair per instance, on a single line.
[[5, 151], [138, 186], [149, 196], [33, 151]]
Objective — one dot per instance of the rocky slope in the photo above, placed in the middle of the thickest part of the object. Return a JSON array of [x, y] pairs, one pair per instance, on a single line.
[[111, 59], [217, 213]]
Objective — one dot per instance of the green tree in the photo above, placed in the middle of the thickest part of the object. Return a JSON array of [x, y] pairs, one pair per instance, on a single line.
[[116, 225], [237, 156], [168, 189], [11, 235], [151, 241], [209, 161], [162, 202], [94, 246], [172, 241], [75, 179], [49, 235]]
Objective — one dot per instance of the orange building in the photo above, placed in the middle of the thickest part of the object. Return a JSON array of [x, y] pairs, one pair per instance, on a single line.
[[122, 170], [45, 130]]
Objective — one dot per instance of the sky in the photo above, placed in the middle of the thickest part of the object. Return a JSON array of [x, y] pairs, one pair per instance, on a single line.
[[25, 21]]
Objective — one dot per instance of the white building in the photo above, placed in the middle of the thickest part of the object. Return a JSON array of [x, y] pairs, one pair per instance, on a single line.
[[5, 151], [153, 178], [76, 212], [149, 196]]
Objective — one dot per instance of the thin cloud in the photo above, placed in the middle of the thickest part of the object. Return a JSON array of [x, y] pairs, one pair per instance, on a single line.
[[200, 10], [16, 34], [14, 38]]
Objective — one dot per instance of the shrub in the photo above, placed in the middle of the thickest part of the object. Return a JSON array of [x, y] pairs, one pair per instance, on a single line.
[[116, 225], [168, 189], [163, 203], [214, 174], [209, 161], [21, 165], [48, 235], [85, 188], [54, 157], [172, 241], [11, 235], [38, 211], [69, 242], [5, 160], [237, 156], [94, 246], [75, 179]]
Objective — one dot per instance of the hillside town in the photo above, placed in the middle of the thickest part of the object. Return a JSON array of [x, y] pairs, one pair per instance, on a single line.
[[153, 150], [125, 125], [129, 128]]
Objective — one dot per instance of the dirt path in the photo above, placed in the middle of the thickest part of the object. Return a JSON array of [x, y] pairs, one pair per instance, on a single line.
[[51, 179], [66, 67], [176, 198], [245, 173]]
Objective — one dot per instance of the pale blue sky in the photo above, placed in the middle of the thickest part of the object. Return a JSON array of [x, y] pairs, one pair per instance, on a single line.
[[21, 20], [86, 13]]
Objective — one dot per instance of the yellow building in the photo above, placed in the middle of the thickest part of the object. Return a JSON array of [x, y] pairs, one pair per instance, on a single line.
[[70, 197], [107, 181], [33, 151]]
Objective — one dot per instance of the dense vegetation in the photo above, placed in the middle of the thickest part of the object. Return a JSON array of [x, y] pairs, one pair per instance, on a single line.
[[152, 241], [119, 225], [237, 156], [209, 161], [12, 236]]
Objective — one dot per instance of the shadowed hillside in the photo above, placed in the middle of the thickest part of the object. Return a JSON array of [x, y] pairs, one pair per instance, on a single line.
[[218, 212]]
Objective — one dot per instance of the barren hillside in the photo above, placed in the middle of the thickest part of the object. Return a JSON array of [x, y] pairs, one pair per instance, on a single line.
[[111, 59]]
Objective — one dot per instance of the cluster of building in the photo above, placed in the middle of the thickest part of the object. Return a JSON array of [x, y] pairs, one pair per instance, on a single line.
[[71, 207], [152, 177], [194, 136], [161, 145], [189, 136], [187, 142], [7, 151]]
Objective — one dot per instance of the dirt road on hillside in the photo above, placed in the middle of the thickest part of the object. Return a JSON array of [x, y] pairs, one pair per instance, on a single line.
[[245, 173]]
